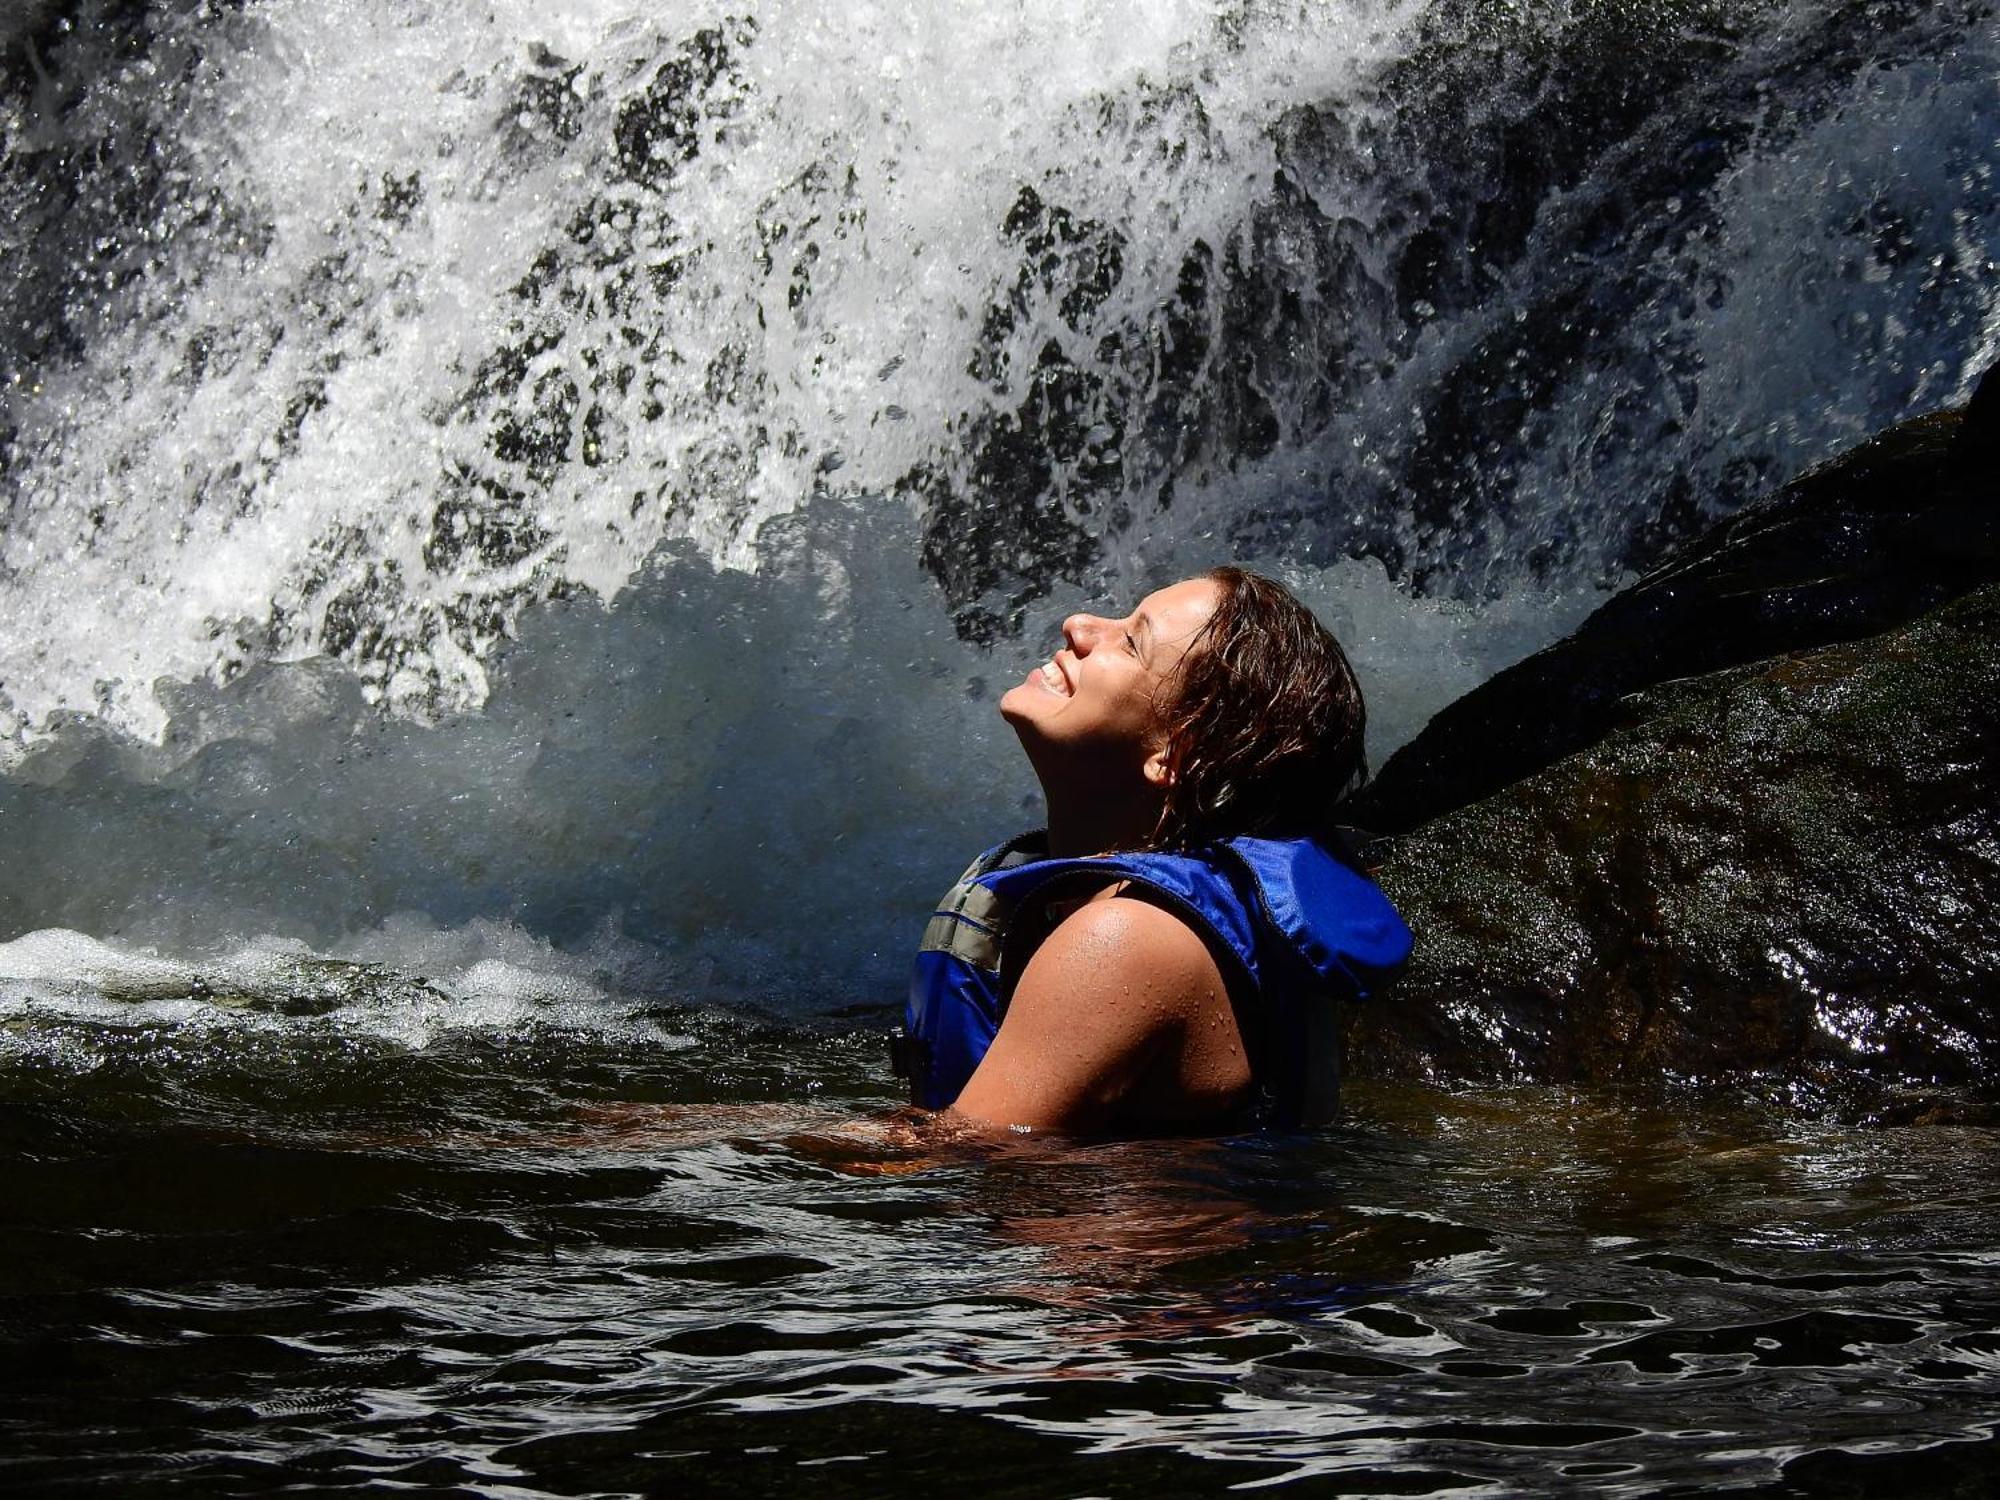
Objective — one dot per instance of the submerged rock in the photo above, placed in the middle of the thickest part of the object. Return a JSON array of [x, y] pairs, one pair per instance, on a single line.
[[1889, 530], [1789, 869]]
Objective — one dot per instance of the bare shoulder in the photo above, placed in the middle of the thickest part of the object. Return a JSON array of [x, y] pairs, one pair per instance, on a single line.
[[1099, 1022], [1116, 944]]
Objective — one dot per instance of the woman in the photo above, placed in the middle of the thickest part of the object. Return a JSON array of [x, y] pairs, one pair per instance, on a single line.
[[1165, 956]]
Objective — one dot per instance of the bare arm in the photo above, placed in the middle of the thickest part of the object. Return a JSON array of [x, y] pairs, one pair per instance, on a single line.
[[1121, 1018]]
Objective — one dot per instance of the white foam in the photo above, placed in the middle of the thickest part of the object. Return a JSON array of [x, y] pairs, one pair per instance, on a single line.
[[57, 956], [409, 982], [166, 527]]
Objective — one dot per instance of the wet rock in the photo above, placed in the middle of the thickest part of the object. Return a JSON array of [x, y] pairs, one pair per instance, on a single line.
[[1888, 531], [1787, 871]]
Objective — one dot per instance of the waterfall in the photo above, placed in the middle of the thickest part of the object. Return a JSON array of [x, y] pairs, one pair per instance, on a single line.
[[581, 475]]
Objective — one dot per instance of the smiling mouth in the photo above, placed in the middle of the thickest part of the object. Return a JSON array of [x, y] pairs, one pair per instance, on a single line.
[[1051, 678]]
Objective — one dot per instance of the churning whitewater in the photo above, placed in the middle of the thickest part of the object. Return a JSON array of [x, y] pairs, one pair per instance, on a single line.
[[585, 472]]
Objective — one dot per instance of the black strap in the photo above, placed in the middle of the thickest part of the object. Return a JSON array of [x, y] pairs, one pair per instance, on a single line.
[[909, 1056]]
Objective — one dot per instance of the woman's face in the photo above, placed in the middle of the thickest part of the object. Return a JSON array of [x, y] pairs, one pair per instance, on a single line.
[[1098, 702]]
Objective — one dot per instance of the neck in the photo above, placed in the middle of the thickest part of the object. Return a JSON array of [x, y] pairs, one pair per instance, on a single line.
[[1096, 823]]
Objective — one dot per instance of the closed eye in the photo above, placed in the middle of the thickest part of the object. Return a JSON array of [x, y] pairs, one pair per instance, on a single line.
[[1131, 643]]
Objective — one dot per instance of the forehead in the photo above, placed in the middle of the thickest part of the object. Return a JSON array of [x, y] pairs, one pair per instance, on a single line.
[[1179, 610]]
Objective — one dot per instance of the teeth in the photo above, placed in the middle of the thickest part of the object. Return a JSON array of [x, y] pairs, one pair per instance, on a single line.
[[1052, 677]]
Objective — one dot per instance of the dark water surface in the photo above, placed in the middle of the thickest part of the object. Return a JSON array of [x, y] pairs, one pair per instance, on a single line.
[[701, 1258]]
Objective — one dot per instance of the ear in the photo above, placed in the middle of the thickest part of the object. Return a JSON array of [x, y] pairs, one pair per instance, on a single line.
[[1156, 770]]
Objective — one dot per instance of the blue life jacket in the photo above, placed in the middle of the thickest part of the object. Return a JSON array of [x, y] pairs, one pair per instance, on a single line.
[[1291, 925]]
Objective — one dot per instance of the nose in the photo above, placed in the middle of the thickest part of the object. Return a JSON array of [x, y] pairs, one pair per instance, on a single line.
[[1083, 632]]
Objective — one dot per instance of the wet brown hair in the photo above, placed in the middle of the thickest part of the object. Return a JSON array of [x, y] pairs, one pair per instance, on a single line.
[[1265, 731]]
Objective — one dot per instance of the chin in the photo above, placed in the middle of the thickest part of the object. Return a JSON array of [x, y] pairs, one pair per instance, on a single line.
[[1025, 708], [1021, 701], [1015, 706]]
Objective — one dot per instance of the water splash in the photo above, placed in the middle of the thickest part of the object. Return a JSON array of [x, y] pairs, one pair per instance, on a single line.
[[561, 469]]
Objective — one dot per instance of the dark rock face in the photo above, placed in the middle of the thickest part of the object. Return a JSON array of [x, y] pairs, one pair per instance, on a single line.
[[1789, 871], [1888, 531]]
